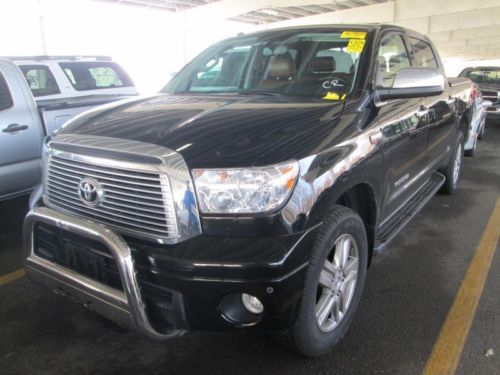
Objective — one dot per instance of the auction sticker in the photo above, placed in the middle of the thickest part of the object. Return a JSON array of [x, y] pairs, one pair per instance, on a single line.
[[353, 35], [355, 45]]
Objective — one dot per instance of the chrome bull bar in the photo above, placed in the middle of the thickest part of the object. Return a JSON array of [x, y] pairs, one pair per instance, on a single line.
[[125, 308]]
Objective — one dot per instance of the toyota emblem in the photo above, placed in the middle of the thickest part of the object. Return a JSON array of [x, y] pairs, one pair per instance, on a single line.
[[90, 191]]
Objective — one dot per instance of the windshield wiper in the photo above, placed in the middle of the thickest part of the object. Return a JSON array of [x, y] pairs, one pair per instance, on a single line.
[[252, 92]]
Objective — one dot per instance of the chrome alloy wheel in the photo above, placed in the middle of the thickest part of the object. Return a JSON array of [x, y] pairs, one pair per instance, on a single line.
[[337, 282], [457, 163]]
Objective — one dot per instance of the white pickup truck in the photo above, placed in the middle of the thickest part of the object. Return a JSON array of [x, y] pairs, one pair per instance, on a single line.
[[37, 96]]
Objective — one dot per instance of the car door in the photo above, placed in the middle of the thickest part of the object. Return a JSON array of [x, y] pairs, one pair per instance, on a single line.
[[441, 108], [404, 125], [20, 134]]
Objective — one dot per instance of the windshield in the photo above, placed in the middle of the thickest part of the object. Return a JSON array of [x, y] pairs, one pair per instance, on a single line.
[[484, 75], [310, 64]]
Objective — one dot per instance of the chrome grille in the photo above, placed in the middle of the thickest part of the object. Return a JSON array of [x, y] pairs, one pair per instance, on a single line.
[[492, 96], [136, 201]]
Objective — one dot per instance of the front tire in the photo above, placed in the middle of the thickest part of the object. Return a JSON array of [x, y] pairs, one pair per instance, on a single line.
[[454, 168], [481, 131], [334, 283]]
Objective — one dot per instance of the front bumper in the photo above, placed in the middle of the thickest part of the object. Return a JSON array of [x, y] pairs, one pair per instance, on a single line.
[[197, 289]]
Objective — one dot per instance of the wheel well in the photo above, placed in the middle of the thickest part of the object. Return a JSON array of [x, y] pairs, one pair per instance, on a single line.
[[360, 198]]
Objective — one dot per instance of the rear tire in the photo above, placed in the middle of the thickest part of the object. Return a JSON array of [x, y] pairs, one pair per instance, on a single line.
[[334, 283], [453, 170]]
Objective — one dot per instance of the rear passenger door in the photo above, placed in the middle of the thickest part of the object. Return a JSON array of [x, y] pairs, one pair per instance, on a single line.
[[404, 126], [440, 109], [20, 134]]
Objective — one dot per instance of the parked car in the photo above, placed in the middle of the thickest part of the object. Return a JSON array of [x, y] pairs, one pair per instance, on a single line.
[[252, 192], [477, 120], [62, 77], [24, 123], [488, 80]]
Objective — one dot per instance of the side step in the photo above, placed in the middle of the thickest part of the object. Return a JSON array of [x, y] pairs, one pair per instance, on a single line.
[[398, 221]]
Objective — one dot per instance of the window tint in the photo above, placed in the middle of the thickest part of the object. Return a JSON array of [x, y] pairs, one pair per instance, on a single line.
[[5, 97], [424, 57], [392, 56], [40, 80], [95, 75]]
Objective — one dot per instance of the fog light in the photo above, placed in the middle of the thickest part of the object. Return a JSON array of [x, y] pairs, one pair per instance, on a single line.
[[252, 303]]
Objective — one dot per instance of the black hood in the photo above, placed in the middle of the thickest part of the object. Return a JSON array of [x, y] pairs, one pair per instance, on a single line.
[[218, 130]]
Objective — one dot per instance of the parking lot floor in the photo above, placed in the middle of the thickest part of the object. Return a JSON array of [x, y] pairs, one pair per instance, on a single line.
[[410, 289]]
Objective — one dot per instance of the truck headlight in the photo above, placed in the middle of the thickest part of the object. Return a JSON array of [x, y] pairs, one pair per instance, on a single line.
[[249, 190]]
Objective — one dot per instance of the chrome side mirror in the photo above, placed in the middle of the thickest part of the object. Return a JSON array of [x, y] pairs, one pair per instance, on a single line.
[[413, 83]]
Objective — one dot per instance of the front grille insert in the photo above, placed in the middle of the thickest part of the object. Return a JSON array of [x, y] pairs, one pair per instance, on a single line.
[[134, 201], [492, 96]]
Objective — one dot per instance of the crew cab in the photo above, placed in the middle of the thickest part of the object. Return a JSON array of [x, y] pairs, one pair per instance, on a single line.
[[488, 80], [253, 191], [34, 104]]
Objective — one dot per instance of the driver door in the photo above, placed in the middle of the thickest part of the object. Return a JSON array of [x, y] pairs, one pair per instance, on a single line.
[[404, 124]]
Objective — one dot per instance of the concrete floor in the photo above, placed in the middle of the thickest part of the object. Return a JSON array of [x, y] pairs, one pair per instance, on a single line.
[[410, 289]]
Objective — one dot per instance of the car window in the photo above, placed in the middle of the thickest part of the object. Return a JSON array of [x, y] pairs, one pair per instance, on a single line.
[[5, 97], [40, 80], [95, 75], [392, 56], [483, 75], [424, 57]]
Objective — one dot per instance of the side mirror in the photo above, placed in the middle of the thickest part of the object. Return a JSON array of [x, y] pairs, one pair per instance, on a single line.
[[413, 83], [486, 103]]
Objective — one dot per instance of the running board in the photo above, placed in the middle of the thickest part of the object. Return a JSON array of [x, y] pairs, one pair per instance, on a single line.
[[398, 221]]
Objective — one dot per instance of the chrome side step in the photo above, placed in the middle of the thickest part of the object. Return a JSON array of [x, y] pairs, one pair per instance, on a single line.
[[127, 309], [387, 232]]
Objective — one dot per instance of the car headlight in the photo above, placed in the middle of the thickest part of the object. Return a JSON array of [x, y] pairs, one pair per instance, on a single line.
[[249, 190]]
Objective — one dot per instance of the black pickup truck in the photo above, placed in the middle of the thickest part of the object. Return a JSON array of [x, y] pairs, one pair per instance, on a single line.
[[253, 191]]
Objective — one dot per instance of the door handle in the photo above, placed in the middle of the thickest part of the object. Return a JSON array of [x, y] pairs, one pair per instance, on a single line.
[[14, 128]]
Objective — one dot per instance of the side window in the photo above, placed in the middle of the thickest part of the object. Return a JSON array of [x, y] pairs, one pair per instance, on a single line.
[[424, 57], [392, 56], [105, 77], [40, 80], [90, 75], [5, 97]]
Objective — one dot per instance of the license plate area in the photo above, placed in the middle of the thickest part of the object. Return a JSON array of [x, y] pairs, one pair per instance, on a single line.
[[80, 254]]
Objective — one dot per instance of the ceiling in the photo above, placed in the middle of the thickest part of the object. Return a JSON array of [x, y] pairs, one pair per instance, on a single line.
[[168, 5], [469, 29], [275, 14]]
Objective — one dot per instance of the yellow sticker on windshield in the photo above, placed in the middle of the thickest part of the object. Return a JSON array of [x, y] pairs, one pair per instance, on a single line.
[[355, 45], [330, 95], [353, 35]]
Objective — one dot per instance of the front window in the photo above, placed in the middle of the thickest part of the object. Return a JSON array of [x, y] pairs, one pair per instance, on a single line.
[[490, 75], [296, 63]]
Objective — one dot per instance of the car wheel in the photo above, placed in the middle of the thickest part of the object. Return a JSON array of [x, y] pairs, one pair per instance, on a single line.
[[454, 168], [472, 151], [334, 283], [480, 135]]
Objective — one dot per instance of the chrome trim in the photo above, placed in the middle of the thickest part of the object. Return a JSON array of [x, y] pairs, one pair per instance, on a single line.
[[176, 198], [127, 309]]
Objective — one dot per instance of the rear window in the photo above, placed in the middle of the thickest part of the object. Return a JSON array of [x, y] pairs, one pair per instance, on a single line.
[[5, 97], [40, 80], [95, 75], [483, 75]]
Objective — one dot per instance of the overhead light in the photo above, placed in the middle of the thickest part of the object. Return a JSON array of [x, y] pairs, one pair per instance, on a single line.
[[271, 12]]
